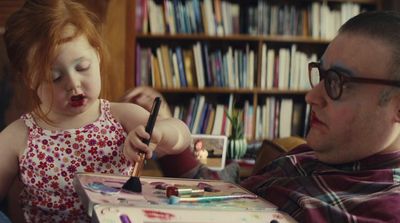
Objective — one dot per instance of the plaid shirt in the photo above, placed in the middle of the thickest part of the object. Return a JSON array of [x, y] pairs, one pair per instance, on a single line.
[[312, 191]]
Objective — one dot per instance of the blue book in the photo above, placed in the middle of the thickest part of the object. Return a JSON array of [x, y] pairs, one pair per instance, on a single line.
[[197, 14], [209, 80], [219, 69], [177, 17], [181, 68]]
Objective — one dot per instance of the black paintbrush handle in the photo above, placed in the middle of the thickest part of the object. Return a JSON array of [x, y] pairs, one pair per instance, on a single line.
[[152, 118], [149, 129]]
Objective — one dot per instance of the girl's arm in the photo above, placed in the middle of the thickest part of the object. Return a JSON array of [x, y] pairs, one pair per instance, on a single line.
[[170, 135], [13, 140]]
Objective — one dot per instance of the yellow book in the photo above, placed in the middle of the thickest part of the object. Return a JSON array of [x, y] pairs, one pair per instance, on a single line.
[[189, 67], [156, 72], [167, 66]]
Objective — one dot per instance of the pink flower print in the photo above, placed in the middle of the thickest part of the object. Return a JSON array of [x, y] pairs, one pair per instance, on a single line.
[[119, 142], [96, 129], [89, 169], [30, 174], [112, 128], [109, 143], [71, 169], [93, 150], [114, 153], [67, 135], [40, 184], [42, 165], [45, 180], [68, 150], [44, 141], [54, 185], [89, 126], [65, 160], [92, 142], [77, 153], [108, 166], [102, 144], [105, 159], [49, 159], [103, 131], [84, 163], [63, 173], [79, 138], [41, 156]]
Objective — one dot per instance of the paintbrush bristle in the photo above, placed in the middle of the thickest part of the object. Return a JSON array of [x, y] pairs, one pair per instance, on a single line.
[[133, 184]]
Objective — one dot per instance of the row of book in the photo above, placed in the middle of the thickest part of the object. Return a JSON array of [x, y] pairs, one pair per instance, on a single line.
[[198, 66], [274, 117], [223, 17]]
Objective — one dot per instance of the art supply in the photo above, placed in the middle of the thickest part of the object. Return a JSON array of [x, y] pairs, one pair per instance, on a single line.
[[124, 218], [101, 188], [179, 192], [133, 184], [176, 200]]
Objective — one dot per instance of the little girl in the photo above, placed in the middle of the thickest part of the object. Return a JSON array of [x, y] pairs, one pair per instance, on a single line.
[[58, 55]]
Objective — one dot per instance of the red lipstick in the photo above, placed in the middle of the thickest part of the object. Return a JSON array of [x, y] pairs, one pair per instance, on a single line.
[[77, 100]]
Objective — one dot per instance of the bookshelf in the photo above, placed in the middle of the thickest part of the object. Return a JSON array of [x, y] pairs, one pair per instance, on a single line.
[[238, 60]]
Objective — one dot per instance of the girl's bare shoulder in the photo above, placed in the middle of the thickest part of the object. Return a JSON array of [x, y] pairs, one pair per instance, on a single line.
[[14, 136]]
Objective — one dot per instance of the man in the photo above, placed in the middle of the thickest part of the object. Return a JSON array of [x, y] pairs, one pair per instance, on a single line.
[[350, 169], [352, 172]]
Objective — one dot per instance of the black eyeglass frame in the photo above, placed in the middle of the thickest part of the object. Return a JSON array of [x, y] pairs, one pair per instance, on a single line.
[[344, 79]]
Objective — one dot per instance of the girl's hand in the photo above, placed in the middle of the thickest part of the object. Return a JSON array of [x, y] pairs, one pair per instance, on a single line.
[[134, 143]]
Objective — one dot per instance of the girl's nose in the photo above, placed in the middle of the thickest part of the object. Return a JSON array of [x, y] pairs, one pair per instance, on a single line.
[[74, 82]]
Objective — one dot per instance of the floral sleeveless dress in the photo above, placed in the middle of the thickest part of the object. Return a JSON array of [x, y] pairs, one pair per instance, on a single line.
[[52, 158]]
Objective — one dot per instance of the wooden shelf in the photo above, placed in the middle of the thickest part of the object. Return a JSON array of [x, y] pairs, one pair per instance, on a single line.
[[235, 38], [217, 90]]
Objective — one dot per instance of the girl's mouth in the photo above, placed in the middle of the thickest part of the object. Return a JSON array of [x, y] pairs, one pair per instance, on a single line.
[[77, 100]]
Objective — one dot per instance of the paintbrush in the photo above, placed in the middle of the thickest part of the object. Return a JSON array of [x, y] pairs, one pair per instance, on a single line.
[[175, 199], [133, 184]]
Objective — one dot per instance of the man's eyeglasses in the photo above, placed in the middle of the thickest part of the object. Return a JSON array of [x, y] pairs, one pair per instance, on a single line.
[[334, 81]]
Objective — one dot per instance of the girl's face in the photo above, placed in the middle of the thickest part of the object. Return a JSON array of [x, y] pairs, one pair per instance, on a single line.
[[199, 145], [76, 80]]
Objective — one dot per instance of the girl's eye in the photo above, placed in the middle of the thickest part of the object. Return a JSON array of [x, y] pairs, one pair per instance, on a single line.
[[56, 76], [83, 66]]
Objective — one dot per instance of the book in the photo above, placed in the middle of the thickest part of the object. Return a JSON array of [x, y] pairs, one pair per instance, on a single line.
[[189, 67], [168, 70]]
